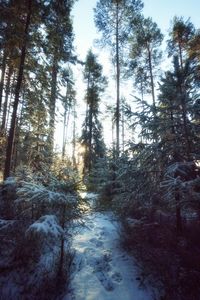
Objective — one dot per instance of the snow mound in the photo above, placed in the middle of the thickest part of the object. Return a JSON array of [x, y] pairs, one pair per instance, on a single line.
[[45, 226]]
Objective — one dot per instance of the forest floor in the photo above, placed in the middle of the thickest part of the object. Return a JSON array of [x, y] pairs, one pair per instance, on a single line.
[[102, 269]]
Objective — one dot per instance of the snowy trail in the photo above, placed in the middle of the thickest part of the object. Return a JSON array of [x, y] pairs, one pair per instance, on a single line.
[[103, 270]]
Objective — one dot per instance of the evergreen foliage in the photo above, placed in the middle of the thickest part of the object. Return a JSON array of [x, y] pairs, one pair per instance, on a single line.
[[153, 185], [92, 139]]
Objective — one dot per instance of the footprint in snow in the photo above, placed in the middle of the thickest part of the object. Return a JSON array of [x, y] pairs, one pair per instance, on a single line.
[[78, 262], [99, 263], [117, 277], [102, 233], [105, 281], [89, 252], [107, 255], [97, 243]]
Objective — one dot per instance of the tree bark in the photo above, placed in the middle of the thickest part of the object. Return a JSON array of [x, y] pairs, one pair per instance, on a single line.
[[90, 134], [3, 70], [5, 106], [11, 136], [183, 105], [118, 81], [152, 81], [54, 75], [74, 137], [64, 134]]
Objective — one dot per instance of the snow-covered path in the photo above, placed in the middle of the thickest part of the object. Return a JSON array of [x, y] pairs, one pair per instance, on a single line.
[[103, 270]]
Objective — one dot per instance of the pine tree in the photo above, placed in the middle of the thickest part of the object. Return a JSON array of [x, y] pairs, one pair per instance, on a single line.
[[145, 55], [9, 149], [114, 20], [58, 50]]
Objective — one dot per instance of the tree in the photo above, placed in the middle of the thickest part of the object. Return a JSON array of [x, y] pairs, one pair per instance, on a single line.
[[91, 137], [11, 136], [181, 34], [58, 50], [114, 20], [68, 104], [178, 156], [145, 55]]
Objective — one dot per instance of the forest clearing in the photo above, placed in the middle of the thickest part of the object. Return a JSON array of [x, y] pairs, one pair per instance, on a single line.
[[99, 150]]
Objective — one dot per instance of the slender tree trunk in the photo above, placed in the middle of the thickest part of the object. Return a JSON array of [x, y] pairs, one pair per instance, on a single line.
[[142, 98], [54, 75], [183, 106], [15, 146], [123, 131], [90, 138], [65, 127], [19, 121], [185, 126], [74, 137], [10, 100], [152, 81], [180, 56], [11, 136], [87, 129], [3, 70], [5, 106], [64, 134], [117, 81], [173, 132]]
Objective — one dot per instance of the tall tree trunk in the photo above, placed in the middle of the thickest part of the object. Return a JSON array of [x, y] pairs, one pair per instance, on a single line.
[[117, 81], [3, 70], [54, 75], [15, 146], [173, 132], [180, 55], [11, 136], [5, 106], [185, 126], [65, 127], [143, 109], [74, 137], [10, 100], [64, 134], [123, 130], [90, 136], [183, 106], [152, 81]]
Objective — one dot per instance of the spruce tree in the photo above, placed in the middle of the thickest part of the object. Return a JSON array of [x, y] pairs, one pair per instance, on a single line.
[[91, 138]]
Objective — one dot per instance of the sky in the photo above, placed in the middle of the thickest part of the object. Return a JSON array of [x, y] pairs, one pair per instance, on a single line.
[[161, 11]]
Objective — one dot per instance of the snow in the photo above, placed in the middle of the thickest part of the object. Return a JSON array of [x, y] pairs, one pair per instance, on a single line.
[[9, 180], [5, 223], [103, 271], [46, 225], [38, 193]]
